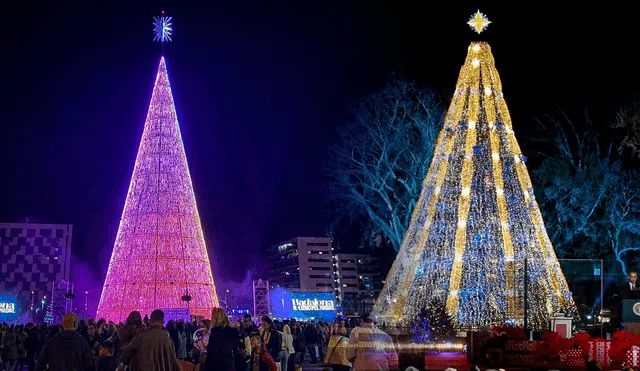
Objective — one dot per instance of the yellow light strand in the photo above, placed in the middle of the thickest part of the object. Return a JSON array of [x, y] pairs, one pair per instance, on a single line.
[[554, 274], [490, 111], [467, 176], [413, 257]]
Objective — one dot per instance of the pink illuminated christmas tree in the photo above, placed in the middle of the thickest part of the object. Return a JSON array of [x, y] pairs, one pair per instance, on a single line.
[[160, 257]]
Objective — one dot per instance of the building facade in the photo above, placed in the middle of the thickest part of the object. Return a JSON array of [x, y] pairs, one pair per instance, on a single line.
[[302, 264], [32, 258], [308, 264], [357, 282]]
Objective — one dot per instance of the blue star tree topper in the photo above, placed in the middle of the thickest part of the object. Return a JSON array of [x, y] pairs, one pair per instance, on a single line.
[[162, 28]]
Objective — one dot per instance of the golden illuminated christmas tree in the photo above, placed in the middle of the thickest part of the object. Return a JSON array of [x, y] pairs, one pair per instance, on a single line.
[[476, 231]]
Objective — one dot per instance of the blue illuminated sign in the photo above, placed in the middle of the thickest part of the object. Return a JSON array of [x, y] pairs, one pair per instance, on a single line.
[[8, 308], [302, 305]]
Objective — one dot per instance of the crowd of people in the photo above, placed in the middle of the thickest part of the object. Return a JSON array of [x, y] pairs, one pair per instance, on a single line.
[[142, 344]]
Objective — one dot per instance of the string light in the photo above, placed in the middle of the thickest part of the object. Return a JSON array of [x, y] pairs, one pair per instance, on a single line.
[[476, 221], [160, 254]]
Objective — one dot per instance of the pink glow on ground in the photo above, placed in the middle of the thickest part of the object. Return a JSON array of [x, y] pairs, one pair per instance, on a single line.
[[160, 253]]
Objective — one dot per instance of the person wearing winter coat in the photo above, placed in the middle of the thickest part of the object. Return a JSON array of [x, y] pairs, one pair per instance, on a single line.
[[337, 350], [261, 360], [33, 339], [271, 338], [151, 349], [67, 350], [311, 338], [181, 351], [223, 343], [106, 360], [299, 344], [125, 334]]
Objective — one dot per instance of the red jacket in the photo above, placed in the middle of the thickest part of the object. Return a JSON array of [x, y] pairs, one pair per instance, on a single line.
[[265, 362]]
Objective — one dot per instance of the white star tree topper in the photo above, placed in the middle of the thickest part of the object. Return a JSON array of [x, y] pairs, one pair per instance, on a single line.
[[478, 22]]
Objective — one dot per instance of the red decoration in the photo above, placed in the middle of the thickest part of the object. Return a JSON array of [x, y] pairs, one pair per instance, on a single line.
[[548, 351], [599, 351], [633, 357], [441, 361], [572, 357]]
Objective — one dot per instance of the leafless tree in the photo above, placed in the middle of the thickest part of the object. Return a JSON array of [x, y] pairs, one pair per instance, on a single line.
[[621, 219], [382, 156], [590, 202], [628, 120], [573, 180]]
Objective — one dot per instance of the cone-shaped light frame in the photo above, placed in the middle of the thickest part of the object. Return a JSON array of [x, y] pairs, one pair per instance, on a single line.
[[159, 254], [476, 227]]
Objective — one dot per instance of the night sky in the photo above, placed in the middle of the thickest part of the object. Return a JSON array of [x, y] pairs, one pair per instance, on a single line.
[[259, 88]]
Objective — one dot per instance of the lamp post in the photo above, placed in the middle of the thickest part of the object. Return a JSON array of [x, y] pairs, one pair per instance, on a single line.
[[226, 303], [187, 298], [86, 301], [32, 300]]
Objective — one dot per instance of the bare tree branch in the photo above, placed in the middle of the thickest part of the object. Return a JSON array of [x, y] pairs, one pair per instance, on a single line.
[[377, 167], [590, 203]]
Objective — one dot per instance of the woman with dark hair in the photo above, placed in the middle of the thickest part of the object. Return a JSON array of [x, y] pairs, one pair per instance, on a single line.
[[174, 335], [125, 334], [271, 338], [181, 351]]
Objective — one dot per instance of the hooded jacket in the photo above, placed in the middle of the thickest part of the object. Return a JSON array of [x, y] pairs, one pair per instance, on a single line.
[[67, 351]]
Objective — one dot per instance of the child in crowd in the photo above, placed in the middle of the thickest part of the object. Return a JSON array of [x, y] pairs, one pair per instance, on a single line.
[[107, 362]]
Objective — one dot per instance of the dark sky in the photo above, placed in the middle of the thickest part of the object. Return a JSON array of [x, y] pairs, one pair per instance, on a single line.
[[259, 88]]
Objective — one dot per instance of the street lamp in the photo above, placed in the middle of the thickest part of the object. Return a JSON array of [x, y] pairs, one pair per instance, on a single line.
[[187, 298], [86, 301]]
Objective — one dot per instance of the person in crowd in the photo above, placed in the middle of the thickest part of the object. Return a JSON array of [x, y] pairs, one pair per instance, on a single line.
[[311, 339], [372, 348], [299, 344], [243, 353], [32, 344], [101, 328], [201, 344], [125, 334], [630, 289], [93, 339], [248, 326], [337, 350], [53, 331], [10, 351], [21, 336], [322, 339], [271, 338], [288, 349], [106, 360], [67, 350], [151, 349], [181, 351], [261, 360], [174, 335], [223, 343]]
